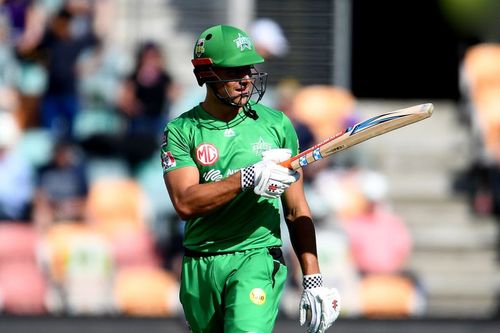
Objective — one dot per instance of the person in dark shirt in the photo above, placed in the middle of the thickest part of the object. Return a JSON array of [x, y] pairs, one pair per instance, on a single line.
[[144, 100], [61, 49], [62, 187]]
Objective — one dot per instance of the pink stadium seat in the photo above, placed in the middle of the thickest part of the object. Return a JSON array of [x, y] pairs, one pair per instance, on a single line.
[[134, 248], [17, 242], [22, 289]]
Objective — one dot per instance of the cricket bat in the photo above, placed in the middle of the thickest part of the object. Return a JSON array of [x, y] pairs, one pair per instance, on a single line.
[[360, 132]]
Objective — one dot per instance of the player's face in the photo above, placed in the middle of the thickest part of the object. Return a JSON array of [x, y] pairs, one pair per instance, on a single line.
[[237, 83]]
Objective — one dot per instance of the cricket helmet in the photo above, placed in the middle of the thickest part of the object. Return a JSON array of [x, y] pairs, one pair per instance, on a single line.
[[226, 46]]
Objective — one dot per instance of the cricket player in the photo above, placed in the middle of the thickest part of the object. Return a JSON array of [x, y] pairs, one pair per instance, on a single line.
[[220, 164]]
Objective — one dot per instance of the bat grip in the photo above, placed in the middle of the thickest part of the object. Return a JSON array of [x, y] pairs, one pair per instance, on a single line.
[[287, 164]]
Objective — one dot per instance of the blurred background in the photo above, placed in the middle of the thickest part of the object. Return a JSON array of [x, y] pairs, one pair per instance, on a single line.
[[407, 223]]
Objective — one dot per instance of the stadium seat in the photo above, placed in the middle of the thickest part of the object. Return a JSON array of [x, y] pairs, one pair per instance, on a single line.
[[387, 296], [80, 266], [134, 247], [324, 109], [22, 289], [17, 242], [146, 291], [114, 204], [481, 84]]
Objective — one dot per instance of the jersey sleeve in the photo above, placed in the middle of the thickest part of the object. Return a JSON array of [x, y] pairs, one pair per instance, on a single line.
[[175, 149], [290, 139]]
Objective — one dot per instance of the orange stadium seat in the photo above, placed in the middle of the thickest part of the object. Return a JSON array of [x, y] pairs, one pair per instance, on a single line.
[[115, 204], [325, 109], [481, 73], [387, 296], [146, 291]]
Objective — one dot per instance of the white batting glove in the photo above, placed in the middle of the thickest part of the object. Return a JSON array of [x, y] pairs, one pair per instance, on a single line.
[[319, 306], [267, 178], [277, 155]]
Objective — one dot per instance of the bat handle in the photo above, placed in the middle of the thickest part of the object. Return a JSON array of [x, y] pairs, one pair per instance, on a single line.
[[287, 164]]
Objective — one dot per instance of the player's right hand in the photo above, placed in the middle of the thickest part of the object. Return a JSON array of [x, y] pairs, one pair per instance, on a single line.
[[267, 178]]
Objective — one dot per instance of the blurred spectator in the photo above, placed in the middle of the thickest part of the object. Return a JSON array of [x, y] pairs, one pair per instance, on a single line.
[[381, 244], [145, 99], [27, 19], [99, 125], [380, 240], [16, 174], [61, 49], [268, 38], [9, 68], [62, 187]]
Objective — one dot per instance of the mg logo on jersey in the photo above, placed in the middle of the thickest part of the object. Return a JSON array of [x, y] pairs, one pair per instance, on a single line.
[[207, 154]]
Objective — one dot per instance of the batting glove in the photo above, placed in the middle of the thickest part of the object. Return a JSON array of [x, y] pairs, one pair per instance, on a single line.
[[277, 155], [267, 178], [319, 306]]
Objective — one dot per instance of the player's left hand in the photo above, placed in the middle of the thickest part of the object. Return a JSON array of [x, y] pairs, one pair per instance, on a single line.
[[319, 306]]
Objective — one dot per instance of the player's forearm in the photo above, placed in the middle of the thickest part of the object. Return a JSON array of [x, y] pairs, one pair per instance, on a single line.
[[202, 199], [303, 239]]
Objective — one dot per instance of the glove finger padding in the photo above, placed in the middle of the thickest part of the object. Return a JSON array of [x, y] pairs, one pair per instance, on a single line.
[[277, 155], [316, 313]]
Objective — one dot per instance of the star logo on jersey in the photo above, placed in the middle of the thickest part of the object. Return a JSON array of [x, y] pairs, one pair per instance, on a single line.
[[243, 42], [260, 146]]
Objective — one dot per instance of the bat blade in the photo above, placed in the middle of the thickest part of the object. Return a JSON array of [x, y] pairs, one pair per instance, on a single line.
[[360, 132]]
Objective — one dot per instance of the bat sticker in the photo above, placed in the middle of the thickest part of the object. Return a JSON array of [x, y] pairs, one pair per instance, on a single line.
[[317, 154], [303, 161]]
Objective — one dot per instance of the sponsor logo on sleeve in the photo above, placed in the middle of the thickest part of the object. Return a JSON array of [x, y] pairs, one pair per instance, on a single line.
[[167, 160]]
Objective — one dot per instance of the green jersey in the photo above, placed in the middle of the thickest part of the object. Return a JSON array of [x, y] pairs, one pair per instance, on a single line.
[[218, 149]]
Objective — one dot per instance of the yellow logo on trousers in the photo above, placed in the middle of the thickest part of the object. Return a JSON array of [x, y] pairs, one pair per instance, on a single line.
[[258, 296]]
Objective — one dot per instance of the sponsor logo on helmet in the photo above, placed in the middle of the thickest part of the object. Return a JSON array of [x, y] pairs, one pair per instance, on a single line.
[[167, 160], [200, 47], [207, 154], [243, 42], [258, 296]]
